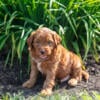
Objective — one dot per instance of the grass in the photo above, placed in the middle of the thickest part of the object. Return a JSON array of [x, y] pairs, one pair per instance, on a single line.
[[57, 96]]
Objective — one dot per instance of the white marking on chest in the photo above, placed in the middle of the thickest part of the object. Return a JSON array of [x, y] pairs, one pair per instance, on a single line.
[[39, 67], [38, 64]]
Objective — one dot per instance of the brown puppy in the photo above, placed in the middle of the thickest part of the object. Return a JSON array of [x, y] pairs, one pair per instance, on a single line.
[[50, 58]]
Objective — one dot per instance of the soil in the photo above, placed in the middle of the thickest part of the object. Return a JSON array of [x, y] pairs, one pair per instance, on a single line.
[[11, 78]]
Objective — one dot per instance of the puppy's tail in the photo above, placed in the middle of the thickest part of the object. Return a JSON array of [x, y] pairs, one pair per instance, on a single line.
[[85, 75]]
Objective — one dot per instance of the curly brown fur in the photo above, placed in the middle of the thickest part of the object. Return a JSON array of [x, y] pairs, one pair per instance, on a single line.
[[54, 61]]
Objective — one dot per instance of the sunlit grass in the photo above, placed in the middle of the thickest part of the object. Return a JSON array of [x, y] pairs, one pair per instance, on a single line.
[[57, 96]]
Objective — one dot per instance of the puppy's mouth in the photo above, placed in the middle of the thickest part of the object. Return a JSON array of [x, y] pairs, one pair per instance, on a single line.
[[43, 57]]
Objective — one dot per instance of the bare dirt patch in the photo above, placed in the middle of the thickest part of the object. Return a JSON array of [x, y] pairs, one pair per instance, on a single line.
[[12, 78]]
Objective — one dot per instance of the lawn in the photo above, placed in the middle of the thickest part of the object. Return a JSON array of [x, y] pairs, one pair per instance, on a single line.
[[64, 96]]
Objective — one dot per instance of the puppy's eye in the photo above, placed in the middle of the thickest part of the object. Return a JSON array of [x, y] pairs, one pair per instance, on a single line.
[[37, 42], [50, 43]]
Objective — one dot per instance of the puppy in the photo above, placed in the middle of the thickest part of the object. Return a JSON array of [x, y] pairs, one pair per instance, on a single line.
[[54, 61]]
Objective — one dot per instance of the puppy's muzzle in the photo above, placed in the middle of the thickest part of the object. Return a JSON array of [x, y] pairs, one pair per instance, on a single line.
[[42, 52]]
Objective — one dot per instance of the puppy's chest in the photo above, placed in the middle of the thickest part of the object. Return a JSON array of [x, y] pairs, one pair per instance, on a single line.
[[41, 67]]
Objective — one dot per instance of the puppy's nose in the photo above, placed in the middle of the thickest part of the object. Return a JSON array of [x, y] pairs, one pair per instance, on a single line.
[[42, 51]]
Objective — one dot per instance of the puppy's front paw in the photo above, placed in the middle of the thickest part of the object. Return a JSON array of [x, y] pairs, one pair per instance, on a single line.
[[72, 82], [27, 84], [46, 92]]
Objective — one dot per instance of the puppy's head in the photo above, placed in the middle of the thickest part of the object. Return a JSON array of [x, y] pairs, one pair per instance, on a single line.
[[43, 41]]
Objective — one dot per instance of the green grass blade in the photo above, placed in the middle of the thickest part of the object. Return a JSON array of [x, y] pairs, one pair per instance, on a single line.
[[7, 58], [70, 22], [96, 96], [86, 96], [22, 42], [3, 40], [88, 39]]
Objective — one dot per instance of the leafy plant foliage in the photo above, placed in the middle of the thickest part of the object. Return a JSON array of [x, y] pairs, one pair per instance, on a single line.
[[76, 21]]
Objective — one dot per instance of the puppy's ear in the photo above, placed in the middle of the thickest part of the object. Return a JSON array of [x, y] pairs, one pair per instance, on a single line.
[[57, 38], [30, 40]]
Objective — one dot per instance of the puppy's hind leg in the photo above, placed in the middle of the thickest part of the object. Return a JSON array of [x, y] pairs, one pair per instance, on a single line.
[[85, 75], [76, 76]]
